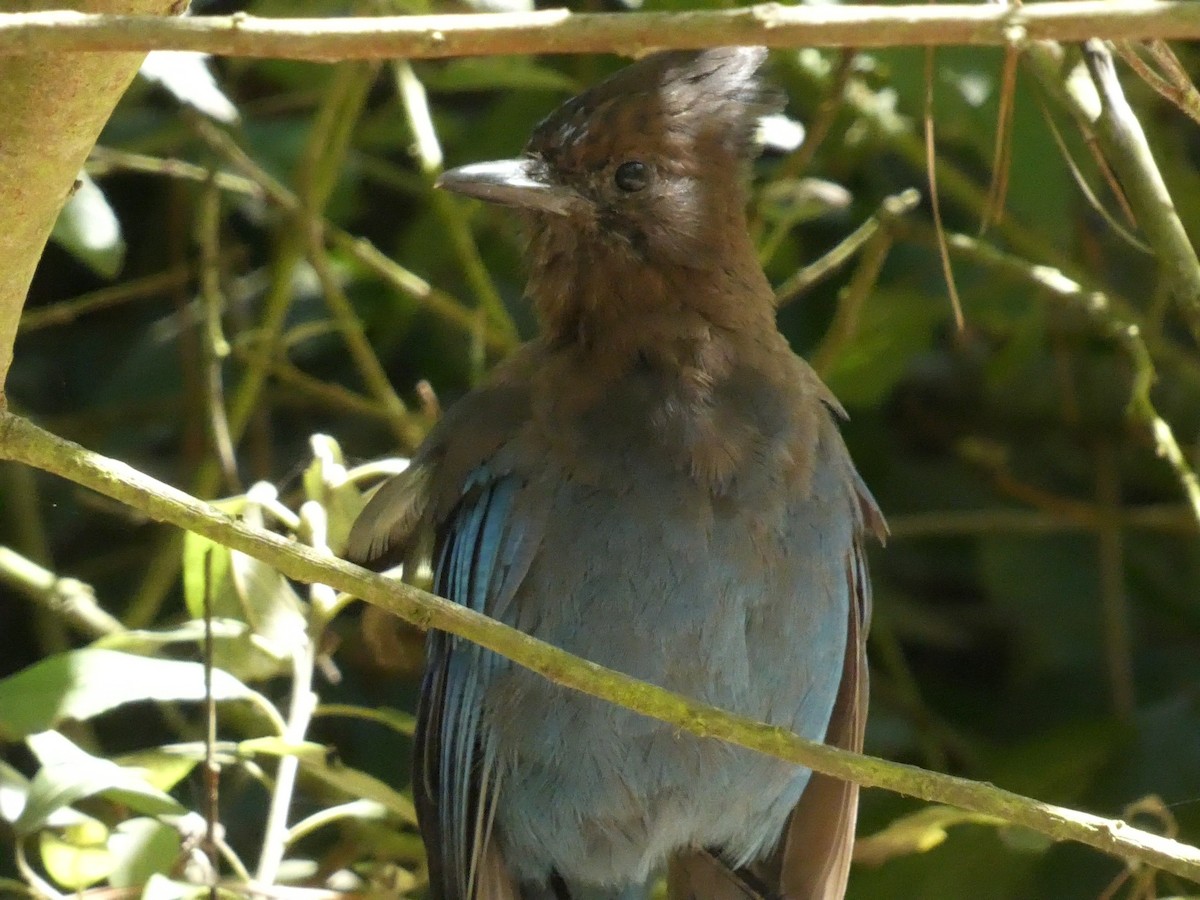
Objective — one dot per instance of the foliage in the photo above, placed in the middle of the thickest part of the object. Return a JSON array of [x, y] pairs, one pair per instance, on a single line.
[[1036, 623]]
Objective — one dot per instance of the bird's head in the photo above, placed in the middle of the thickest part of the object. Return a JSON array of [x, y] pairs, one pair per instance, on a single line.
[[639, 175], [648, 158]]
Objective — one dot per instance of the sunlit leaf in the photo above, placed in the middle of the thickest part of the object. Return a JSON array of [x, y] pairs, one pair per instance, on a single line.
[[355, 783], [326, 482], [69, 774], [140, 848], [78, 857], [306, 751], [145, 642], [84, 683], [317, 761], [88, 229], [159, 887], [271, 605], [160, 768], [14, 788], [186, 75], [240, 588]]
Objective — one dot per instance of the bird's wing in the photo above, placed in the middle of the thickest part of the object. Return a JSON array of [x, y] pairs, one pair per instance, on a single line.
[[819, 841], [481, 554], [484, 531]]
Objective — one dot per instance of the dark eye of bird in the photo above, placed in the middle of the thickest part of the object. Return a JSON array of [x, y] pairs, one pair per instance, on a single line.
[[632, 176]]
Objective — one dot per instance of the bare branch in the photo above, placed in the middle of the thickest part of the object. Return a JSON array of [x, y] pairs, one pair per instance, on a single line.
[[560, 31]]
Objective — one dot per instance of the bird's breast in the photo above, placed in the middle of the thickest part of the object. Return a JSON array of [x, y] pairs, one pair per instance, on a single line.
[[737, 605]]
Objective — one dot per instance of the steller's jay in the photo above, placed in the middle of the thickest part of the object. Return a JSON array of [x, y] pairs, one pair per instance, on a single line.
[[657, 483]]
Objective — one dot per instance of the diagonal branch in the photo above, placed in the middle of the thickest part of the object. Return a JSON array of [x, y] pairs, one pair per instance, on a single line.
[[22, 441], [560, 31]]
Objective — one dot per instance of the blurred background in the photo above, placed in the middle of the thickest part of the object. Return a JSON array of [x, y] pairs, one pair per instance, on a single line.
[[1037, 621]]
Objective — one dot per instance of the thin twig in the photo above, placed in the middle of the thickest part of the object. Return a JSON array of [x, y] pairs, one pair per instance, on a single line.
[[850, 301], [1002, 148], [892, 209], [322, 599], [1114, 604], [361, 249], [1173, 83], [935, 202], [163, 568], [370, 369], [321, 163], [67, 598], [1116, 321], [212, 769], [212, 339], [1086, 189], [447, 208], [1172, 518], [105, 160], [821, 125], [67, 311]]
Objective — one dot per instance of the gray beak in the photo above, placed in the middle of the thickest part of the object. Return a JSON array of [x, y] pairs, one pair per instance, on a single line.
[[510, 182]]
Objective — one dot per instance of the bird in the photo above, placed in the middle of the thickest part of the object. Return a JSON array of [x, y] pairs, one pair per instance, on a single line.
[[655, 482]]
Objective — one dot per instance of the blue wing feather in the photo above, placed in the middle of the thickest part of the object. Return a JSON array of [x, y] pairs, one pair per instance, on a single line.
[[479, 549]]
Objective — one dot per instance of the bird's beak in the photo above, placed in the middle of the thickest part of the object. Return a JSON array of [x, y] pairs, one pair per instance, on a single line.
[[510, 182]]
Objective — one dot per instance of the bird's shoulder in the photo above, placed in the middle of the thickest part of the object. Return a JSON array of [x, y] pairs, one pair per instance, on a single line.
[[466, 439]]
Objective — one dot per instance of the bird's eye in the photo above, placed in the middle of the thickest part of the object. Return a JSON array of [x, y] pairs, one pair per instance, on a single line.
[[632, 176]]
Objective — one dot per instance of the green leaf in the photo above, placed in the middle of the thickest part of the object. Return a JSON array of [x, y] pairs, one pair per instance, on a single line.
[[160, 768], [355, 783], [69, 774], [244, 589], [77, 858], [326, 482], [159, 887], [916, 833], [147, 642], [305, 751], [140, 848], [88, 229], [205, 561], [404, 723], [14, 795], [84, 683], [316, 761], [271, 605]]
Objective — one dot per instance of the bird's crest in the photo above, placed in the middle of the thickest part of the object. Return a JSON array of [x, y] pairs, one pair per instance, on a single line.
[[708, 101]]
